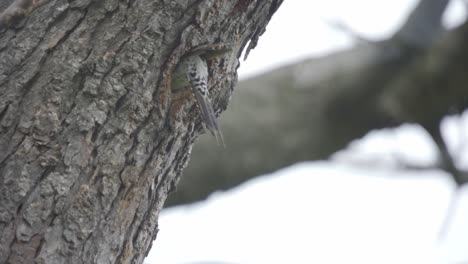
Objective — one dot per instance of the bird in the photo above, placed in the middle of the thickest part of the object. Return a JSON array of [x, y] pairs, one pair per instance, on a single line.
[[192, 70]]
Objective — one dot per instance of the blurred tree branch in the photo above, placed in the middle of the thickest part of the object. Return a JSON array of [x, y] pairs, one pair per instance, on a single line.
[[311, 109]]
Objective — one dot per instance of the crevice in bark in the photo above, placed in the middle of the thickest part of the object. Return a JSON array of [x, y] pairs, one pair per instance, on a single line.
[[61, 18], [120, 102], [7, 157], [80, 80], [3, 112], [148, 161], [33, 188], [29, 84], [39, 247], [126, 239], [23, 61]]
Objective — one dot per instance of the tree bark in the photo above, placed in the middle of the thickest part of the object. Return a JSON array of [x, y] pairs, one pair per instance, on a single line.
[[309, 110], [92, 139]]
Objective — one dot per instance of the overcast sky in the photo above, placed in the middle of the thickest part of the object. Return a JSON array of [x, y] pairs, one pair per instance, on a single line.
[[300, 29]]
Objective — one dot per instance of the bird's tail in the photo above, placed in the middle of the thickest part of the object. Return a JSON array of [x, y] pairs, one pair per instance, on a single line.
[[209, 118]]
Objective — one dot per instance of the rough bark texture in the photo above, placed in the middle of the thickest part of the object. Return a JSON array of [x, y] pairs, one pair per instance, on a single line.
[[309, 110], [92, 139]]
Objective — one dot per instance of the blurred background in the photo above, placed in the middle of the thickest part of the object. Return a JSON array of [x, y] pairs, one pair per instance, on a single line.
[[346, 142]]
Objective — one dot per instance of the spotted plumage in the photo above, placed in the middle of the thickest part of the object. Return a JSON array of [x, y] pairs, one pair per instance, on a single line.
[[193, 71]]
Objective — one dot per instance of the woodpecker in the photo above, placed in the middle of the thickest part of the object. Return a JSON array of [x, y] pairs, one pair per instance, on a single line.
[[192, 71]]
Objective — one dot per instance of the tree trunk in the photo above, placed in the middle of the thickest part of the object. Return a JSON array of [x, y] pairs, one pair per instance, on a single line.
[[92, 139]]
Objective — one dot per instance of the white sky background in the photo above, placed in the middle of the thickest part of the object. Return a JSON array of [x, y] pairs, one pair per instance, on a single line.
[[360, 207], [286, 41]]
